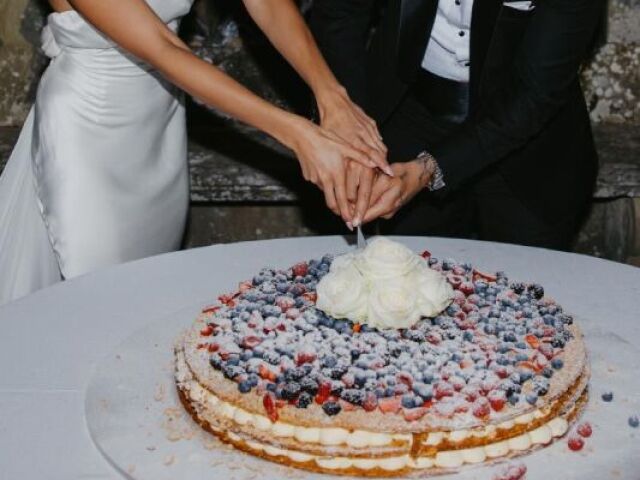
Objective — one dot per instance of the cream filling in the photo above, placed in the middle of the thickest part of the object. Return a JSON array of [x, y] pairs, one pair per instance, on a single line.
[[361, 439], [446, 459]]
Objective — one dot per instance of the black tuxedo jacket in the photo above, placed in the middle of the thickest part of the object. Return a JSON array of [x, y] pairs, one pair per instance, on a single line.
[[528, 114]]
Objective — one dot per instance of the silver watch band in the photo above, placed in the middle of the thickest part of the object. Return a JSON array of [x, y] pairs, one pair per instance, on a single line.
[[437, 179]]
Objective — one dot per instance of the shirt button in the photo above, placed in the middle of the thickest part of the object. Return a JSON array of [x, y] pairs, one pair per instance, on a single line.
[[457, 2], [461, 33]]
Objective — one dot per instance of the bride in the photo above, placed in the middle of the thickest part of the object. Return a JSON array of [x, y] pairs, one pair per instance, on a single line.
[[99, 173]]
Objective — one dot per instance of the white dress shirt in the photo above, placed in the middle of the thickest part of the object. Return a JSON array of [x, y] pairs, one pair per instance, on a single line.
[[447, 53]]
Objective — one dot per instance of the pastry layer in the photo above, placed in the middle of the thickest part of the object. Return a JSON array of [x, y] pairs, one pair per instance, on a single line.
[[401, 463]]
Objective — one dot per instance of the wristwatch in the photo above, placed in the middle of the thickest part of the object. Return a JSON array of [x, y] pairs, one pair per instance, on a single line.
[[436, 181]]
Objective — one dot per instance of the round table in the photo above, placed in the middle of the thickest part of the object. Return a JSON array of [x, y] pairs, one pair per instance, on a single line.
[[51, 341]]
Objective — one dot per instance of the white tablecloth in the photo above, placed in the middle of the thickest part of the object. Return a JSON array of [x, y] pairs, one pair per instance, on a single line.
[[50, 341]]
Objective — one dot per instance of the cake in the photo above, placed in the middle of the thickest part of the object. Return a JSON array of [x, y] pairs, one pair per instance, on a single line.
[[348, 366]]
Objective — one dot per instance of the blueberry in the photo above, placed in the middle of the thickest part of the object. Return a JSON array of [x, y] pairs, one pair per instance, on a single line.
[[331, 408], [525, 375], [233, 360], [490, 329], [338, 371], [304, 400], [215, 361], [342, 326], [425, 391], [282, 287], [360, 378], [531, 398], [513, 399], [244, 387], [232, 371], [633, 421], [467, 336], [326, 321], [448, 264], [409, 401], [558, 342], [290, 391], [557, 363], [432, 261], [271, 387], [271, 357], [607, 396]]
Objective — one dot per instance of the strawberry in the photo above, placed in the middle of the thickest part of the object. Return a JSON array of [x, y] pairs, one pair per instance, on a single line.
[[244, 286], [406, 378], [489, 277], [211, 309], [303, 357], [310, 296], [213, 347], [300, 269], [443, 389], [455, 280], [575, 443], [585, 430], [389, 405], [412, 414], [532, 340], [270, 406], [324, 391], [266, 373], [227, 299], [206, 331], [251, 341]]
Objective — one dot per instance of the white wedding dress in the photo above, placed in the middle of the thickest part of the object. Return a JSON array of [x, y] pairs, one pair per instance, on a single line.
[[99, 173]]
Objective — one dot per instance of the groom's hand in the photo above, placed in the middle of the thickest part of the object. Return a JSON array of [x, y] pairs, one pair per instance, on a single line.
[[360, 182], [389, 194]]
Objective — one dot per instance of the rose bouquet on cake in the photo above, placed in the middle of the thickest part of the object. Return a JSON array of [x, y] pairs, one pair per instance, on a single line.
[[385, 285]]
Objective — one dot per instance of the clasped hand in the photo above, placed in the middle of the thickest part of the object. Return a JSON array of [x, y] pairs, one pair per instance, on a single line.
[[346, 158]]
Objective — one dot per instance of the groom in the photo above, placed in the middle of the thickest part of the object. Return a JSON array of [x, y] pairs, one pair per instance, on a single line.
[[480, 103]]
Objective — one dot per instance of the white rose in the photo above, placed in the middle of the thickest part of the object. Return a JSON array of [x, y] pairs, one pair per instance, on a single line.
[[385, 259], [392, 304], [433, 291], [342, 293], [343, 261]]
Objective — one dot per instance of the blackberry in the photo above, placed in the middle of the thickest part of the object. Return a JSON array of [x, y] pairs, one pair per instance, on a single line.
[[353, 396], [291, 391], [338, 371], [518, 287], [271, 357], [566, 319], [304, 400], [294, 374], [331, 408], [308, 384], [536, 291], [336, 389], [558, 342]]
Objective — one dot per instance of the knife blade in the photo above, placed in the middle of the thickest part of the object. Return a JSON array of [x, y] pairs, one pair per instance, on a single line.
[[362, 242]]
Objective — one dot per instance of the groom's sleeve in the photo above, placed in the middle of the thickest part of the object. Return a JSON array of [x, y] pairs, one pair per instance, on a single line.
[[538, 85], [341, 29]]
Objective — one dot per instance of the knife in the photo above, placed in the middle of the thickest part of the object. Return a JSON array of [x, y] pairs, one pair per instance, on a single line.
[[362, 242]]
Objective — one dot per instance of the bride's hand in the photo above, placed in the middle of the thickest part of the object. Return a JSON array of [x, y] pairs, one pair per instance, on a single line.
[[340, 115], [324, 157]]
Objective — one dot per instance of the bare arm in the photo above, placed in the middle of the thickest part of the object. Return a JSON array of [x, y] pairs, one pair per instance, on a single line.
[[136, 28], [281, 21]]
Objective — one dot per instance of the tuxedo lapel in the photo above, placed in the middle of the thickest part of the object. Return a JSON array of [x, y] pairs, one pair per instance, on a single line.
[[415, 22], [483, 21]]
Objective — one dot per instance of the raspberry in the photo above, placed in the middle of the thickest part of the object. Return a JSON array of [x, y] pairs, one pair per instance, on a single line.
[[575, 443], [300, 269], [584, 430], [285, 303], [206, 331], [251, 341], [370, 402], [426, 254], [497, 400], [467, 288], [481, 408]]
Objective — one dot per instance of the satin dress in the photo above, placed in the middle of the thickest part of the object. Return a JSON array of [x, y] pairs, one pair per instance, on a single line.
[[99, 173]]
